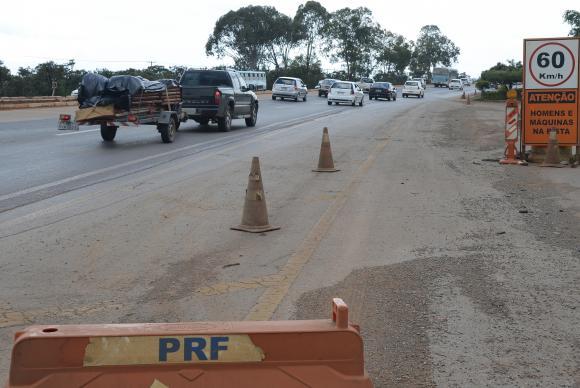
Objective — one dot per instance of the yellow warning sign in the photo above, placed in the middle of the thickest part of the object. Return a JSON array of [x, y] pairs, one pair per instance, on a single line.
[[551, 110], [155, 350]]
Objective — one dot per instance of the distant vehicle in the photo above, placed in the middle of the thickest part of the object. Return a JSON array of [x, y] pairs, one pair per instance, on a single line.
[[344, 92], [365, 83], [256, 80], [325, 85], [383, 90], [442, 76], [422, 80], [465, 81], [518, 85], [218, 96], [455, 84], [74, 93], [289, 87], [413, 88]]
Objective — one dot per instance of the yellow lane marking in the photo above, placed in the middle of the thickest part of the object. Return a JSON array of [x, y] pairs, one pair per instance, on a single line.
[[14, 318], [273, 296], [245, 284]]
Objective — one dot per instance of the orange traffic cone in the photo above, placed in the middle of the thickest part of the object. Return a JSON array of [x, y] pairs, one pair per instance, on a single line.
[[552, 158], [255, 215], [325, 162]]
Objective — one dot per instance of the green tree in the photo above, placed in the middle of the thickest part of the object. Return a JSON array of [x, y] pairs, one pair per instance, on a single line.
[[394, 53], [312, 18], [351, 36], [5, 78], [284, 34], [573, 19], [504, 74], [255, 36], [432, 48]]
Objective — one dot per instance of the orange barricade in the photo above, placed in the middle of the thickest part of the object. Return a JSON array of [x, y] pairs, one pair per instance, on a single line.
[[511, 132], [281, 354]]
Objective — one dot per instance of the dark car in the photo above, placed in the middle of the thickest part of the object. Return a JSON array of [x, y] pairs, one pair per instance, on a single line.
[[325, 86], [218, 96], [383, 90]]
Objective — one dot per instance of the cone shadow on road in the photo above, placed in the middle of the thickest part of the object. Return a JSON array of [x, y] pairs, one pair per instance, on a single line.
[[255, 214], [325, 162]]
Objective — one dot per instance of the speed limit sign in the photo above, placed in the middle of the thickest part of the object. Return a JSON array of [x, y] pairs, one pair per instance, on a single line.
[[550, 100], [551, 64]]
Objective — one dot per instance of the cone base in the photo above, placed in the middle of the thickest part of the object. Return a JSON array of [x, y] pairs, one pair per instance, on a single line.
[[326, 169], [255, 229], [510, 161]]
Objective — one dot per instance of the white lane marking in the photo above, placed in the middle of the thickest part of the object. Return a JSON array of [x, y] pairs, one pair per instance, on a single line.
[[137, 161], [77, 132]]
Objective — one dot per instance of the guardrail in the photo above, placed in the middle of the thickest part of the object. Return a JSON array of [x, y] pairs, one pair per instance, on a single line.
[[7, 103]]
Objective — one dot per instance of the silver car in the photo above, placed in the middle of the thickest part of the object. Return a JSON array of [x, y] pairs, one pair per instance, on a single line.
[[289, 87]]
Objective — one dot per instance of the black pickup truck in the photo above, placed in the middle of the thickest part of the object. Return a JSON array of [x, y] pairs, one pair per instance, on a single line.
[[218, 96]]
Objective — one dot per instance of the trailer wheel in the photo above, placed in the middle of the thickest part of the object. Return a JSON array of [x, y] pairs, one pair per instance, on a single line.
[[167, 131], [108, 132]]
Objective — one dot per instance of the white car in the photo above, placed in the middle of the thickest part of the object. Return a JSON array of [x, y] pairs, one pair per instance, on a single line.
[[344, 92], [455, 84], [413, 88], [74, 93], [365, 83], [465, 82]]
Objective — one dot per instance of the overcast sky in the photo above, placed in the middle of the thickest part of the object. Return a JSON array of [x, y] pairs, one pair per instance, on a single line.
[[118, 34]]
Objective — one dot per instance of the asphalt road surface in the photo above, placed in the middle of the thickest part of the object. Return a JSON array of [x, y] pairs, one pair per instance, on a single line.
[[451, 284]]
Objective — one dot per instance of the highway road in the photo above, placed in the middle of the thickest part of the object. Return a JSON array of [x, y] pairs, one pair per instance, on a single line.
[[40, 162], [452, 285]]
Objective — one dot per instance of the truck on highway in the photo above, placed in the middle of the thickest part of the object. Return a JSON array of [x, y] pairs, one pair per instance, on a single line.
[[218, 96], [124, 101], [442, 75]]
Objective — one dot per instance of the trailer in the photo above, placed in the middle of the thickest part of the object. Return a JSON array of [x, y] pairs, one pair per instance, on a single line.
[[162, 108]]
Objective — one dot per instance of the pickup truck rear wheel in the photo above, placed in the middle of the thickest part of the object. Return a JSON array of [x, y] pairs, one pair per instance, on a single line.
[[225, 123], [108, 132], [251, 121], [167, 131]]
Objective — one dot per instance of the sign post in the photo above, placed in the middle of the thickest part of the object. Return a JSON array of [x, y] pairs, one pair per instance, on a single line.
[[551, 86]]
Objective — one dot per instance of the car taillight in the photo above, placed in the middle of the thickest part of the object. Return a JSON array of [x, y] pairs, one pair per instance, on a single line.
[[64, 117], [131, 118], [217, 97]]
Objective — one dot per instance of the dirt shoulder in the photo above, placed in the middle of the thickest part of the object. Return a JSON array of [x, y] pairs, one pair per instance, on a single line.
[[469, 270]]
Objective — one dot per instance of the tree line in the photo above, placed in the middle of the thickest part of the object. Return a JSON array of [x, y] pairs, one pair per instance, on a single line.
[[261, 37], [50, 78]]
